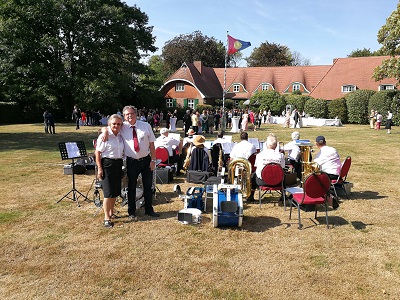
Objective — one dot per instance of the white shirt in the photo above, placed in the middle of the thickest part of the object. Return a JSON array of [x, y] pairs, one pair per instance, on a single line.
[[187, 139], [268, 156], [144, 134], [167, 142], [243, 149], [328, 160], [293, 150], [113, 147], [219, 141]]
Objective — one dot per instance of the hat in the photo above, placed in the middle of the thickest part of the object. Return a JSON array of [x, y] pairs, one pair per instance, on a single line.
[[320, 139], [191, 131], [164, 130], [199, 140]]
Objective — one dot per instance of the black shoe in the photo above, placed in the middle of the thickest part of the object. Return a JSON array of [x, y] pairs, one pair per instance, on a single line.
[[108, 224], [152, 214], [132, 218]]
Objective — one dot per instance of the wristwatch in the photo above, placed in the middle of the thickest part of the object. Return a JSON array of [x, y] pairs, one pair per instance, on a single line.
[[154, 160]]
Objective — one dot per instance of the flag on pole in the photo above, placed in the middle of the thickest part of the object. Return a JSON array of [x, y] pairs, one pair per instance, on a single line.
[[235, 45]]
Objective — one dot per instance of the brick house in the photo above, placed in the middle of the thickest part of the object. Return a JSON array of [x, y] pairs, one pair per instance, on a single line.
[[194, 83]]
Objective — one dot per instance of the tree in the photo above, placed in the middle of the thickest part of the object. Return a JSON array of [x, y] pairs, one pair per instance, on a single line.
[[235, 59], [270, 55], [268, 100], [361, 53], [389, 37], [193, 47], [298, 60], [63, 52]]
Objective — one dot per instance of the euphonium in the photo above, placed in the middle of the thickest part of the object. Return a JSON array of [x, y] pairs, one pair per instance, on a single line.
[[243, 178]]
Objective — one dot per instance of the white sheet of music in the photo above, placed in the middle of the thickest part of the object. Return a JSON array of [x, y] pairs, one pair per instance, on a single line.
[[227, 147], [255, 142], [175, 136], [72, 150]]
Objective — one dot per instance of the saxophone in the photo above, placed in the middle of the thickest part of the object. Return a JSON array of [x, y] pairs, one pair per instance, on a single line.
[[243, 177], [186, 162]]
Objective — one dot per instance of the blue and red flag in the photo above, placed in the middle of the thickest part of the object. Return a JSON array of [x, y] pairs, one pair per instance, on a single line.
[[235, 45]]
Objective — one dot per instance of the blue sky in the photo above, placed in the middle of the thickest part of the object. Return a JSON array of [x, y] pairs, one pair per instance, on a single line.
[[320, 30]]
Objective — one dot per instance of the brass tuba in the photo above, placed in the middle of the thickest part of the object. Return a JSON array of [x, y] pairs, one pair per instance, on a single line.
[[242, 168], [308, 166]]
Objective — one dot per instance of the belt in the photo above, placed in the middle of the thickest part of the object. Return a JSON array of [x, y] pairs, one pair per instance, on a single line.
[[139, 159], [111, 158]]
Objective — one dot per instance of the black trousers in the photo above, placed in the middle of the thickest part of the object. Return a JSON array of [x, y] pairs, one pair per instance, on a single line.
[[134, 168]]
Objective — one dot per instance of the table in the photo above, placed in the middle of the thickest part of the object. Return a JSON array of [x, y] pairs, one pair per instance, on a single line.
[[235, 124], [310, 121], [172, 124]]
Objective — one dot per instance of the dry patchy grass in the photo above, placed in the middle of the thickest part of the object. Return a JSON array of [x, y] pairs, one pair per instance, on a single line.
[[61, 251]]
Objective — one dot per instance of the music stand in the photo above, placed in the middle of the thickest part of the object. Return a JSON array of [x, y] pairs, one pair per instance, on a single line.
[[72, 150]]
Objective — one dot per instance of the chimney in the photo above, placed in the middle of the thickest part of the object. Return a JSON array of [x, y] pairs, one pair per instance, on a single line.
[[198, 65]]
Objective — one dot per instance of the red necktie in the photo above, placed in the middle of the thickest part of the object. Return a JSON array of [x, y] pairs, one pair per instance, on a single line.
[[135, 140]]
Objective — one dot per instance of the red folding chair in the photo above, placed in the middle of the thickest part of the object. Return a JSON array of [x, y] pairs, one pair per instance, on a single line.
[[315, 192], [163, 155], [252, 160], [342, 176], [274, 176]]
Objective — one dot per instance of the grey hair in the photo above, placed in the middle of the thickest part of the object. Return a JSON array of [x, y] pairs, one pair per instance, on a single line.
[[129, 107], [114, 116], [272, 141], [295, 135]]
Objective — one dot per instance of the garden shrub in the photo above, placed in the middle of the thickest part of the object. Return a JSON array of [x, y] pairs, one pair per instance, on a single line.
[[338, 108], [317, 108], [357, 106]]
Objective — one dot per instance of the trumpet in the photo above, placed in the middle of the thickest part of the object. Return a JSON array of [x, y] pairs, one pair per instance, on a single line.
[[240, 167]]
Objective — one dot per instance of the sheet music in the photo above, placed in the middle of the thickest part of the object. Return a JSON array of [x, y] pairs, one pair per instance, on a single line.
[[228, 138], [227, 147], [255, 142], [72, 150], [175, 136], [208, 144]]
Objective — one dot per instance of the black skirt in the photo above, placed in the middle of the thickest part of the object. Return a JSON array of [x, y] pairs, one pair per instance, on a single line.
[[112, 175]]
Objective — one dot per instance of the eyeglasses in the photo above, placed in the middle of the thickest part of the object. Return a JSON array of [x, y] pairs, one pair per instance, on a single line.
[[118, 124], [127, 114]]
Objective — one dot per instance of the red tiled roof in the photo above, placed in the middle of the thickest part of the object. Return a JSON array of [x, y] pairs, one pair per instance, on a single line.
[[350, 71]]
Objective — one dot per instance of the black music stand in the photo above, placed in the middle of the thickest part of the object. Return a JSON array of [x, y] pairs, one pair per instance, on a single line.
[[72, 150]]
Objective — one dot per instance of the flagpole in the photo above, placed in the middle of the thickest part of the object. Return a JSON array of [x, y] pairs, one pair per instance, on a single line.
[[223, 92]]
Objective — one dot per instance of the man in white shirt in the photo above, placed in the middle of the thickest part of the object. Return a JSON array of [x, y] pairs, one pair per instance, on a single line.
[[173, 146], [244, 148], [266, 156], [294, 153], [327, 158]]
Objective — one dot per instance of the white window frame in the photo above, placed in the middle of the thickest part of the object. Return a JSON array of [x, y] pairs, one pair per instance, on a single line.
[[384, 87], [180, 87], [265, 87], [169, 102], [236, 88], [190, 103], [296, 87], [348, 88]]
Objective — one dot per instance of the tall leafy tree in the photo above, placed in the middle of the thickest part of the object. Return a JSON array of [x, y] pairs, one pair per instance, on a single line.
[[193, 47], [361, 53], [270, 55], [389, 37], [62, 52]]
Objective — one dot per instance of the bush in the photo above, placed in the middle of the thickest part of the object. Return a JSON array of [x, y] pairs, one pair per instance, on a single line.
[[268, 100], [338, 108], [202, 107], [357, 106], [297, 101], [317, 108]]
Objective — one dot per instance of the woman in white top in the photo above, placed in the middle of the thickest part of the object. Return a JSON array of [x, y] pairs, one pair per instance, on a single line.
[[109, 165], [389, 121]]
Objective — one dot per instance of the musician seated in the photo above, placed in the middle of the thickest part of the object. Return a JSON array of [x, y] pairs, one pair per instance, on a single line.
[[173, 146], [220, 138], [294, 153], [244, 148], [327, 158], [189, 138], [199, 159], [268, 155]]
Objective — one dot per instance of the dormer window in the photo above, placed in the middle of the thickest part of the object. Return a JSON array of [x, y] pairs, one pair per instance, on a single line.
[[384, 87], [296, 87], [236, 88], [180, 87], [348, 88], [264, 87]]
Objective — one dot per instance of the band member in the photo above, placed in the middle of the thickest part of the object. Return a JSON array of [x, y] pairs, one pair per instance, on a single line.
[[244, 148], [109, 166], [294, 153], [327, 158], [140, 155]]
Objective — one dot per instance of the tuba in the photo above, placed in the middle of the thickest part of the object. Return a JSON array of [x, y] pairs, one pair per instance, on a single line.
[[242, 168], [308, 166]]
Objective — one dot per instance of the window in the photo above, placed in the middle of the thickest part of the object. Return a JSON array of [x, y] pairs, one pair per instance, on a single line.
[[384, 87], [180, 87], [296, 87], [191, 103], [169, 102], [348, 88], [236, 88], [264, 87]]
